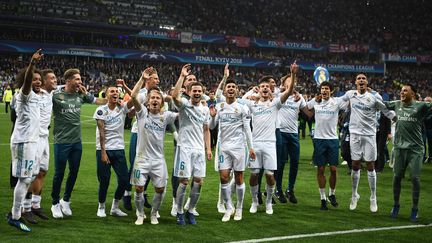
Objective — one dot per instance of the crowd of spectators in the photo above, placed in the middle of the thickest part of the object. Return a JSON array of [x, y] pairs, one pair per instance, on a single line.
[[133, 42], [393, 26], [99, 72]]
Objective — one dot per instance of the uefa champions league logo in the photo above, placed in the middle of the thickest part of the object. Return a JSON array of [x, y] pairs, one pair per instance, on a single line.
[[320, 75], [275, 63], [153, 55]]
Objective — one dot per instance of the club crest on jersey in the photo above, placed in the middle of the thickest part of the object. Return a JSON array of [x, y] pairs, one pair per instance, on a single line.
[[222, 105], [181, 173], [368, 99], [161, 119], [100, 112], [61, 97], [78, 99], [236, 110]]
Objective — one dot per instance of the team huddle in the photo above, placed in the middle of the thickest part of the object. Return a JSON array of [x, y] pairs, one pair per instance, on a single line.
[[257, 131]]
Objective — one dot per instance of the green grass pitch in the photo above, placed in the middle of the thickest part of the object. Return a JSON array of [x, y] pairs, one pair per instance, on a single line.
[[288, 219]]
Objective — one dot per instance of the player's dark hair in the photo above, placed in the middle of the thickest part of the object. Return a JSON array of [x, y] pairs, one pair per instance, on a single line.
[[412, 87], [265, 79], [328, 84], [20, 77], [230, 81], [45, 72], [195, 84], [70, 73], [361, 73]]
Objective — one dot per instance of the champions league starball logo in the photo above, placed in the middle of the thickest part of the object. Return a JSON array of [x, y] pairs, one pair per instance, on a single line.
[[275, 63], [153, 56], [320, 75]]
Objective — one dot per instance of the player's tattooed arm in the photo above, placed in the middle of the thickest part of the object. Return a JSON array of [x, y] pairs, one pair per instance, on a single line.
[[221, 86], [290, 83], [185, 71], [28, 76], [101, 127]]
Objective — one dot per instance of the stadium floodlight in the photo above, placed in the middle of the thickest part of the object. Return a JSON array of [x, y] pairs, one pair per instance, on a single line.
[[167, 27]]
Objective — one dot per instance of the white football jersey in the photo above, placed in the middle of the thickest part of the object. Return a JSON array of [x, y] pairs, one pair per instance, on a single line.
[[142, 97], [363, 111], [151, 133], [27, 123], [289, 114], [114, 126], [326, 117], [234, 122], [264, 118], [191, 122], [46, 106]]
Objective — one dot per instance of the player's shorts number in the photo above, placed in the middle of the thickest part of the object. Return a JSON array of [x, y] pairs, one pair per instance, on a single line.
[[28, 164], [182, 165], [137, 174], [221, 158]]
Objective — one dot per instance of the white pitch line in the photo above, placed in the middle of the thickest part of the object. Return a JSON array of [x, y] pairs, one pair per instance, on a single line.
[[290, 237]]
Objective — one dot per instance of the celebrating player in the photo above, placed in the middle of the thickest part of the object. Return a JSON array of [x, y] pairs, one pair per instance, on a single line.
[[150, 161], [264, 118], [110, 119], [408, 146], [193, 144], [234, 126], [67, 138], [24, 139], [364, 106], [326, 143]]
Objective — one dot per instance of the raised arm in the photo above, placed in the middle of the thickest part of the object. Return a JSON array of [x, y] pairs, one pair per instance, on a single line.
[[28, 76], [177, 88], [289, 86], [134, 94], [221, 86], [125, 87]]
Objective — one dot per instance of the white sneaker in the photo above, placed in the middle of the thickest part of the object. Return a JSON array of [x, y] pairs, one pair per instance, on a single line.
[[221, 207], [344, 162], [139, 215], [238, 214], [56, 211], [186, 206], [194, 212], [101, 212], [117, 212], [269, 208], [140, 220], [253, 208], [157, 214], [373, 205], [227, 215], [354, 200], [174, 208], [153, 219], [65, 208]]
